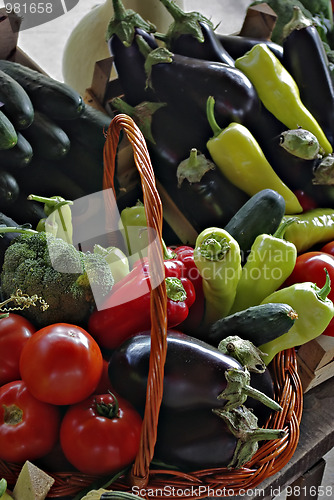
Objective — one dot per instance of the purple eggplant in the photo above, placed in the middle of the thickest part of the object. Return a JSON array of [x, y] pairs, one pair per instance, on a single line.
[[199, 426], [192, 34], [194, 374], [306, 60], [237, 45]]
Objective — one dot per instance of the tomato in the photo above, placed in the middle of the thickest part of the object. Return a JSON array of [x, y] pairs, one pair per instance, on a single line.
[[61, 364], [328, 248], [101, 435], [310, 267], [104, 384], [15, 330], [29, 428]]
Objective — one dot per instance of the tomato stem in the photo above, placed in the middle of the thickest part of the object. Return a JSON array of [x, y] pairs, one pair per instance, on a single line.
[[13, 415], [108, 410]]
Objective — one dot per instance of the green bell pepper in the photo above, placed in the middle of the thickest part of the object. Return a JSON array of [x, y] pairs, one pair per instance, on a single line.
[[218, 258], [315, 310], [269, 263], [238, 155], [279, 92]]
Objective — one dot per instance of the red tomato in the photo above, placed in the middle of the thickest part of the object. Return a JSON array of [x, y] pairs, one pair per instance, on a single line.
[[104, 385], [15, 330], [328, 248], [96, 444], [61, 364], [310, 267], [29, 428]]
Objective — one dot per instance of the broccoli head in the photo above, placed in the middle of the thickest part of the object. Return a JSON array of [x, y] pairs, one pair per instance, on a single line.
[[69, 281]]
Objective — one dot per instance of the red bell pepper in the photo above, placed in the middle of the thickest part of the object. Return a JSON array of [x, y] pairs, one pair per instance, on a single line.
[[126, 310], [186, 255], [310, 267]]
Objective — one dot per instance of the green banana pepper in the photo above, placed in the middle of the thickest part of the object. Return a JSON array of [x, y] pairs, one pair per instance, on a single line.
[[238, 155], [311, 228], [270, 262], [218, 258], [315, 311], [279, 92], [134, 224], [59, 216], [116, 260]]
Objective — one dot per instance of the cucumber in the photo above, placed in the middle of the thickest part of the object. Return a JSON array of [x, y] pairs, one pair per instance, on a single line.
[[17, 104], [259, 324], [48, 140], [88, 130], [56, 99], [8, 135], [7, 238], [9, 188], [18, 156], [261, 214]]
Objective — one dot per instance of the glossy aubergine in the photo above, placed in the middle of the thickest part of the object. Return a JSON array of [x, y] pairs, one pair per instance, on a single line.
[[306, 60], [188, 82], [237, 45], [210, 49], [129, 63], [194, 374], [194, 440], [211, 198], [6, 238], [192, 34]]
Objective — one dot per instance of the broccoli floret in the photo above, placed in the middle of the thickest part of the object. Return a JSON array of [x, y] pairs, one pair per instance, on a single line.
[[69, 281]]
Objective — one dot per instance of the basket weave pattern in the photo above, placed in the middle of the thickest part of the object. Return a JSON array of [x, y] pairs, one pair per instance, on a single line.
[[270, 457]]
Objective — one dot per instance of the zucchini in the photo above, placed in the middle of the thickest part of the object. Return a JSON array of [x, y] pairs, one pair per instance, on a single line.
[[259, 324], [17, 104], [8, 135], [9, 188], [261, 214], [18, 156], [48, 140], [56, 99]]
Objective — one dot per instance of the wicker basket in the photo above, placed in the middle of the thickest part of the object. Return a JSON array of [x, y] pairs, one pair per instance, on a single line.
[[269, 458]]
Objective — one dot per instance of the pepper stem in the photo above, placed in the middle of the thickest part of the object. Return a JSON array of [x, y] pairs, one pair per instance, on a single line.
[[214, 248], [210, 105], [283, 227], [324, 291], [20, 230], [175, 290]]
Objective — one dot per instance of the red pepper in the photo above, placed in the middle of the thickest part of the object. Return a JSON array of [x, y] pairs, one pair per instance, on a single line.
[[310, 267], [186, 256], [126, 311]]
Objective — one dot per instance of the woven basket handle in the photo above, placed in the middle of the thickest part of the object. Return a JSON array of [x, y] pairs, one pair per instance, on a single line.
[[158, 308]]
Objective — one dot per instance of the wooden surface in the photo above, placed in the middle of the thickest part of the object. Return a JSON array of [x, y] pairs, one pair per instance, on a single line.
[[316, 439]]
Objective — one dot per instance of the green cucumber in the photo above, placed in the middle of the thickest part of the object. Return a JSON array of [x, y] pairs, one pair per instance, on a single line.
[[18, 156], [259, 324], [48, 140], [88, 129], [8, 135], [17, 104], [56, 99], [261, 214]]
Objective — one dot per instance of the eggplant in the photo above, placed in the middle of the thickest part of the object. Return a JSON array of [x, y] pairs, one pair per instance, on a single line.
[[194, 374], [186, 83], [306, 60], [129, 63], [237, 45], [194, 430], [9, 188], [194, 440], [192, 34], [171, 135], [210, 49]]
